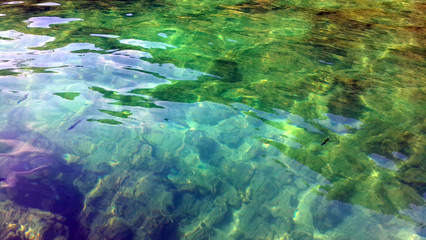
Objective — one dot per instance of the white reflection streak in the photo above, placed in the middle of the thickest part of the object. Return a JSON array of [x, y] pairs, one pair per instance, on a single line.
[[45, 22]]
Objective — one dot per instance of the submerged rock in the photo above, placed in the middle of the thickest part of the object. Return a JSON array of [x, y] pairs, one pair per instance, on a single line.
[[130, 205], [17, 222], [37, 178], [329, 214], [227, 70], [231, 132], [117, 228], [209, 151], [239, 174]]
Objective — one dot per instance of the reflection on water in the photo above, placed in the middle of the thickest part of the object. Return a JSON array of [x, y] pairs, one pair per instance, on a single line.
[[212, 120], [45, 22]]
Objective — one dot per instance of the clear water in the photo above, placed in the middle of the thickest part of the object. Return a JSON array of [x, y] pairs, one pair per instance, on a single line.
[[211, 119]]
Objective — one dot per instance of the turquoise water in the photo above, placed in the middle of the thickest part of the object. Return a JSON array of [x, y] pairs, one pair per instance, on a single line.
[[212, 120]]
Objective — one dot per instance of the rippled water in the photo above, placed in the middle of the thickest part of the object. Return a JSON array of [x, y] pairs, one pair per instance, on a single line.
[[210, 119]]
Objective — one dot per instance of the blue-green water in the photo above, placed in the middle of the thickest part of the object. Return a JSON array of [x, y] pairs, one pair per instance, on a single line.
[[212, 120]]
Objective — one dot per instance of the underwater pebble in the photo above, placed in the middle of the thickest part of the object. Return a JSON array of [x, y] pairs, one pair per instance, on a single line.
[[186, 204], [280, 205], [80, 147], [231, 133], [200, 231], [143, 156], [71, 158], [145, 150], [210, 113], [238, 174], [129, 148], [285, 177], [202, 182], [250, 150], [301, 184], [254, 215], [231, 197], [192, 137], [16, 218], [191, 158], [232, 141], [117, 228], [209, 151], [263, 188], [328, 214], [156, 137], [125, 199], [166, 143], [302, 235], [215, 216]]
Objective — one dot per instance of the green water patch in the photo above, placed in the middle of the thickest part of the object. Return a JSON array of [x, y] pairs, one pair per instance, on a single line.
[[125, 100], [355, 178], [8, 72], [67, 95], [258, 94], [106, 121], [121, 114], [6, 38]]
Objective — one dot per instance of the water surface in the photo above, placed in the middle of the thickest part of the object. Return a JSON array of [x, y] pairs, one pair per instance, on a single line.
[[212, 119]]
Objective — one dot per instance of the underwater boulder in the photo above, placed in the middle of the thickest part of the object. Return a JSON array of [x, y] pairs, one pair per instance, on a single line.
[[209, 151], [329, 214], [117, 229], [34, 176], [131, 205], [227, 70], [18, 222]]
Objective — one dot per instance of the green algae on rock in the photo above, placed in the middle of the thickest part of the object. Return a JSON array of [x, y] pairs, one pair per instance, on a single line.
[[106, 121]]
